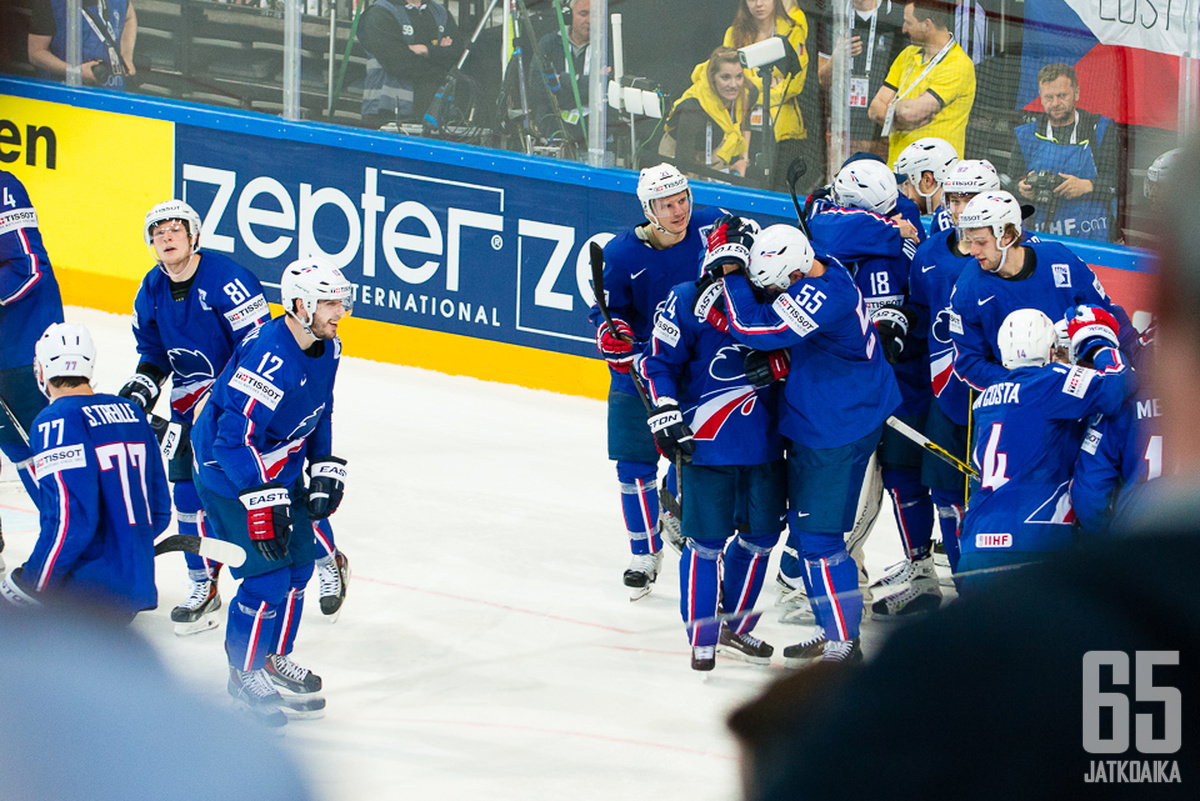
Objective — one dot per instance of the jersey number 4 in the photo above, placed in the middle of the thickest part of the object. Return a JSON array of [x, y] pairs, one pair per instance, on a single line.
[[120, 456], [995, 463]]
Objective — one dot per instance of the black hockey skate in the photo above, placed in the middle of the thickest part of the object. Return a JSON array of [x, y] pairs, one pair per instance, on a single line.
[[805, 651], [704, 657], [333, 575], [744, 647], [196, 613], [254, 692], [847, 652], [292, 677], [641, 573]]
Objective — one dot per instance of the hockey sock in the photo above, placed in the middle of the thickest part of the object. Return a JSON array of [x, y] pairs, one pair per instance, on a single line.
[[639, 503], [250, 629], [789, 559], [913, 508], [745, 568], [190, 515], [287, 621], [950, 517], [324, 534], [698, 580], [836, 599]]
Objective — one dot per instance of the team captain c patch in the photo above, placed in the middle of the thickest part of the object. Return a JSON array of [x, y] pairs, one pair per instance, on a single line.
[[791, 313], [256, 387]]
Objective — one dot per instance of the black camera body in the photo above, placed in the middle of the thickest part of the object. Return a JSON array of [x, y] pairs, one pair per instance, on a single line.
[[1043, 183], [101, 72]]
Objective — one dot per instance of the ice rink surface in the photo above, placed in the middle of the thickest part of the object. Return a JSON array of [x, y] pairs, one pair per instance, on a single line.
[[487, 648]]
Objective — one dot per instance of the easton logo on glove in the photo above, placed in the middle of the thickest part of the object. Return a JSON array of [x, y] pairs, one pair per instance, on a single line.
[[616, 347]]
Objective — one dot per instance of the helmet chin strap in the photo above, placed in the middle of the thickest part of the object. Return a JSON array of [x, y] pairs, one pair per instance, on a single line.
[[1003, 254], [306, 326]]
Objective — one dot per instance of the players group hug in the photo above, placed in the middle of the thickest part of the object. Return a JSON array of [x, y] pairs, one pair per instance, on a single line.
[[246, 454], [791, 376]]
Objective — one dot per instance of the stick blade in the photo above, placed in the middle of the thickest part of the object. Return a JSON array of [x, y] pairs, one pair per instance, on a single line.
[[227, 553]]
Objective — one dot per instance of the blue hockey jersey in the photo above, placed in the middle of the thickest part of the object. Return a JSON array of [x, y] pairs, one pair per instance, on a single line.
[[1056, 282], [839, 387], [1119, 455], [861, 242], [935, 268], [29, 298], [700, 365], [270, 409], [1027, 433], [190, 340], [637, 278], [102, 499], [940, 221]]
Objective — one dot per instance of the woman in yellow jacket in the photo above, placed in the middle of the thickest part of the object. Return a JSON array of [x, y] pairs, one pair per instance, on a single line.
[[709, 125], [757, 21]]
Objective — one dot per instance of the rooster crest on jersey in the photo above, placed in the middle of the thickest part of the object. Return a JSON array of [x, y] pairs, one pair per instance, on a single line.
[[65, 350]]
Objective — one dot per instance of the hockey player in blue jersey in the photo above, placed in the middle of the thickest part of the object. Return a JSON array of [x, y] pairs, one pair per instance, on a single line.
[[102, 489], [1027, 432], [640, 267], [190, 312], [29, 303], [935, 269], [1120, 454], [838, 392], [270, 412], [706, 406], [1013, 273], [926, 163], [878, 260]]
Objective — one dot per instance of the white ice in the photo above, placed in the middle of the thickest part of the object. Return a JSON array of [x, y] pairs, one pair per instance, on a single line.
[[487, 648]]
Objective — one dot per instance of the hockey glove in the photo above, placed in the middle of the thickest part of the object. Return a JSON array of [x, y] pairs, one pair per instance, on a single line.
[[616, 347], [143, 389], [709, 305], [1090, 327], [15, 594], [326, 484], [893, 324], [765, 367], [269, 519], [729, 242], [671, 435]]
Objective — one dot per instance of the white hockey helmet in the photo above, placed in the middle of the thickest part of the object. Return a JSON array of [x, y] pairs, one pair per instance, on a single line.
[[1160, 170], [657, 182], [866, 184], [312, 280], [64, 350], [929, 153], [995, 210], [972, 176], [778, 252], [173, 210], [1027, 338]]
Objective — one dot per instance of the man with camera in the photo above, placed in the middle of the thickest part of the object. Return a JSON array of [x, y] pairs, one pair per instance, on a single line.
[[108, 30], [1066, 162]]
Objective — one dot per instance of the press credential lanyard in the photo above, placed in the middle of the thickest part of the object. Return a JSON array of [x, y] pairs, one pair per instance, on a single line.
[[891, 112]]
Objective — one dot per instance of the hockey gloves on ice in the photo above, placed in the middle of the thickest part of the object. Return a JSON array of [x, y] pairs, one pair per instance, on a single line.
[[893, 323], [616, 346], [671, 435], [1090, 328], [765, 367], [729, 242], [269, 519], [144, 387], [326, 484]]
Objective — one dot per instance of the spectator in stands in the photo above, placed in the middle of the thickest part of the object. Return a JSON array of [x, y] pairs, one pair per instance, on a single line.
[[709, 125], [108, 30], [757, 21], [1066, 162], [569, 84], [876, 28], [930, 88], [412, 48]]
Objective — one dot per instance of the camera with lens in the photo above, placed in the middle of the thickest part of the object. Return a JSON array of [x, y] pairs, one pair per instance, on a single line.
[[101, 72], [1043, 183]]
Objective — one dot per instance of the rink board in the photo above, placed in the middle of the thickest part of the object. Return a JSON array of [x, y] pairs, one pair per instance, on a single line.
[[466, 260]]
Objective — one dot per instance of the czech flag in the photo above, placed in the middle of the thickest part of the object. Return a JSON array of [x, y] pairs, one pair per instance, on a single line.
[[1126, 54]]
